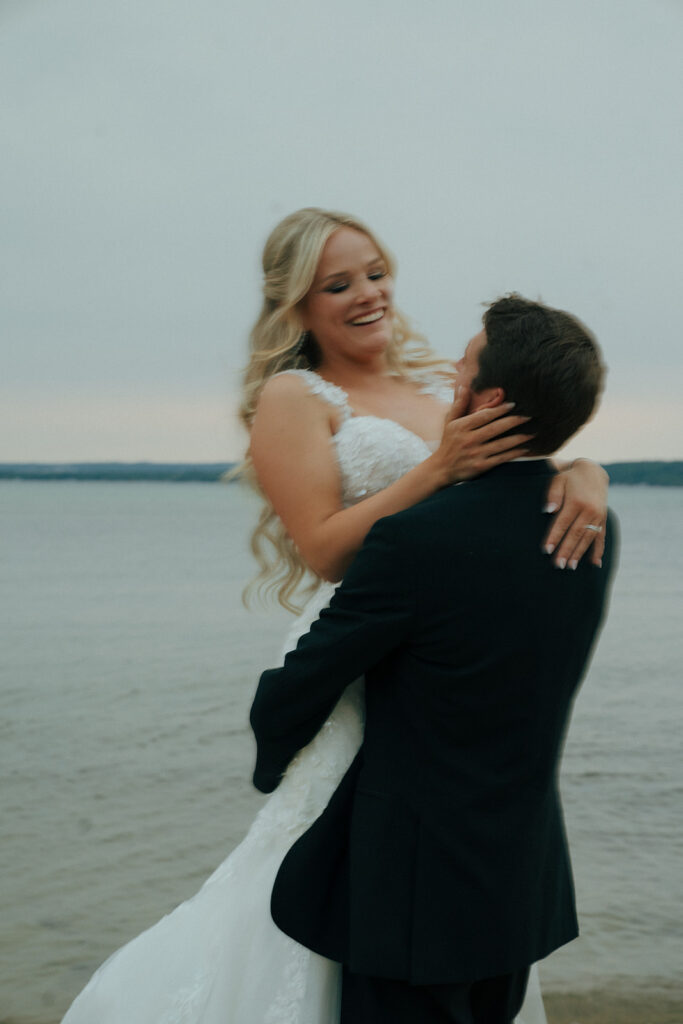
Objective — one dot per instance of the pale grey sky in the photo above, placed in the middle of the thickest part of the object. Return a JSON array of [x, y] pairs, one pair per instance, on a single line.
[[148, 146]]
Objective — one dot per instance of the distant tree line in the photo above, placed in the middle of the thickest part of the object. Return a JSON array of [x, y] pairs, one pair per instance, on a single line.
[[659, 474], [656, 474]]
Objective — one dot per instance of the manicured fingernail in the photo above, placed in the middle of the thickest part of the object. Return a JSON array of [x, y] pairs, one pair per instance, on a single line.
[[599, 563], [549, 548], [573, 564], [510, 405], [561, 563], [551, 507]]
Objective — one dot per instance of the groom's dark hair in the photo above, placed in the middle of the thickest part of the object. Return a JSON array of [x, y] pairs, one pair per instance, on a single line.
[[547, 362]]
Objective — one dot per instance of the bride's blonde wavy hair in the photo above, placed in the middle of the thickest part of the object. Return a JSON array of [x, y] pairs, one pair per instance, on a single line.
[[277, 342]]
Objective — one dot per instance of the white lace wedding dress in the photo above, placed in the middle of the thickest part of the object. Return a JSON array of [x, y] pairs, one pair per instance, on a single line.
[[218, 958]]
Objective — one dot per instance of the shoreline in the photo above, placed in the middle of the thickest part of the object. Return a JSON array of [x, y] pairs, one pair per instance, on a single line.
[[598, 1006], [608, 1006]]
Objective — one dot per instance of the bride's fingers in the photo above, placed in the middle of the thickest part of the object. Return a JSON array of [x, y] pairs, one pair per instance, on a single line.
[[598, 547], [577, 542], [572, 533], [481, 416], [499, 460], [587, 540], [504, 445], [500, 426], [472, 444]]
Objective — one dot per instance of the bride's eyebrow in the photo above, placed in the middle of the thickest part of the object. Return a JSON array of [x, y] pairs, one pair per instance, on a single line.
[[337, 273], [345, 273]]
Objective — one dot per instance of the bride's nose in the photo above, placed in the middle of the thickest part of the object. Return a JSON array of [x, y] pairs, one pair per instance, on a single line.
[[369, 290]]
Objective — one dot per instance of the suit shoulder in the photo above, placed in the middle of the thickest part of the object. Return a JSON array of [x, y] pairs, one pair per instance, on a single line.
[[447, 501], [417, 526]]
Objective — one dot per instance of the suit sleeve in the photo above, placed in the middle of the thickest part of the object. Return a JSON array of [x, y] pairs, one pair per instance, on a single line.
[[369, 616]]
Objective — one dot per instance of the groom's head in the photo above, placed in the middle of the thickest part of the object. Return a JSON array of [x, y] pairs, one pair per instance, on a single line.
[[542, 359]]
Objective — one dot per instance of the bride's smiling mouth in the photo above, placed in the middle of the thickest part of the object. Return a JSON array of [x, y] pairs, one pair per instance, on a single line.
[[369, 318]]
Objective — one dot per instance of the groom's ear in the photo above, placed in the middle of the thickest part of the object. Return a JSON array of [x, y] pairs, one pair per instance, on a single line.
[[489, 398]]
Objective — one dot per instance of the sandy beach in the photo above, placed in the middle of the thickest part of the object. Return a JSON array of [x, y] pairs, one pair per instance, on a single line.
[[588, 1008], [613, 1008]]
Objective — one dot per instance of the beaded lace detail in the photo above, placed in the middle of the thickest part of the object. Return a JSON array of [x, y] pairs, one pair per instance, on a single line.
[[317, 385]]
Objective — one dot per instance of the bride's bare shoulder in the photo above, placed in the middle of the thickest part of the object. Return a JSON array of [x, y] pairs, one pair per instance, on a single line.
[[283, 394], [288, 406], [285, 386]]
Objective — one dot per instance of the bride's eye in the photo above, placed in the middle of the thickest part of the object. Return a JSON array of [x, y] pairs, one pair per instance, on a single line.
[[338, 286], [377, 275]]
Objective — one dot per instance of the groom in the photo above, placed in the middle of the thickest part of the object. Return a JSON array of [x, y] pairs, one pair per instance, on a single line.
[[439, 870]]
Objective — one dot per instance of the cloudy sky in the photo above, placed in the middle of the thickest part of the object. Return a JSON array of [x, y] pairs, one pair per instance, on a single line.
[[148, 146]]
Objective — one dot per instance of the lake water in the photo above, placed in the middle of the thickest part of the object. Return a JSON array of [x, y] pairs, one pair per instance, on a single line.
[[128, 665]]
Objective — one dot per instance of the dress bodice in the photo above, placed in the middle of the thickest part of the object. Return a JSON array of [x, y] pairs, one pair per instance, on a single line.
[[372, 452]]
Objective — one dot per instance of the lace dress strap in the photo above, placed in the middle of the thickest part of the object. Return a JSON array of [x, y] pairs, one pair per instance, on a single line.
[[331, 393]]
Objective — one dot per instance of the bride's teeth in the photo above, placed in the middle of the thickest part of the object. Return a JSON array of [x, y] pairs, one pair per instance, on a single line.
[[370, 319]]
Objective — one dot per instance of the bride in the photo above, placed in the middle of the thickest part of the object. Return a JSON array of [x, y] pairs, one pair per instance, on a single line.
[[351, 419]]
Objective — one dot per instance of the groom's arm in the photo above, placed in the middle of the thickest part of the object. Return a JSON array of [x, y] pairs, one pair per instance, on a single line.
[[368, 616]]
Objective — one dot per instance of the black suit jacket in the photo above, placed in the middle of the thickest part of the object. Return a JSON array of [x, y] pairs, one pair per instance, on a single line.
[[442, 856]]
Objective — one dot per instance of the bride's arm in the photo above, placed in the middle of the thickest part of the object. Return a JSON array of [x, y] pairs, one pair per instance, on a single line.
[[296, 467]]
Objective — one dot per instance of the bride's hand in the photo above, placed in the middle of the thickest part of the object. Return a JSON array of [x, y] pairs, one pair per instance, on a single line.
[[472, 444], [578, 495]]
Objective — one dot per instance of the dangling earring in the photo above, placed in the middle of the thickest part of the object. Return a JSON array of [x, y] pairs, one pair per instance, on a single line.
[[298, 348]]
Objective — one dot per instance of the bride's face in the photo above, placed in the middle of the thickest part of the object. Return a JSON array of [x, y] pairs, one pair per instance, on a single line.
[[349, 308]]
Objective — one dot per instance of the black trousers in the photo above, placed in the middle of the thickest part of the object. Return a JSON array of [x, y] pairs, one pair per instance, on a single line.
[[380, 1001]]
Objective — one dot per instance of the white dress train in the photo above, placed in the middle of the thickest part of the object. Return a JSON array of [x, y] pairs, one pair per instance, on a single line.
[[218, 958]]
